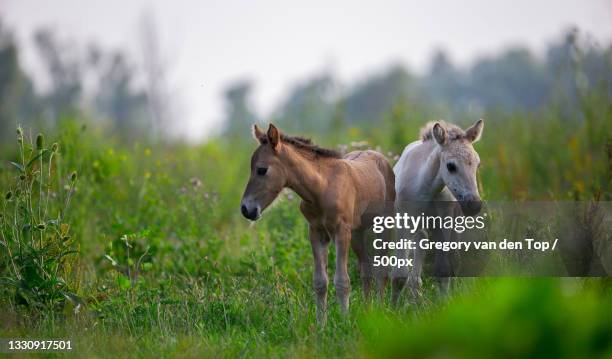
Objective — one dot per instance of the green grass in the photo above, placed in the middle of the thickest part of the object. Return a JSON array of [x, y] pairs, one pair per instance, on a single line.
[[167, 266]]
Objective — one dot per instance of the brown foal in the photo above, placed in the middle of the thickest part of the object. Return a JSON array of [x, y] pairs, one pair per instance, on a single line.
[[336, 192]]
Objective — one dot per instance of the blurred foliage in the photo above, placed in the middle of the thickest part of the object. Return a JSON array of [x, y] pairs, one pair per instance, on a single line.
[[505, 318]]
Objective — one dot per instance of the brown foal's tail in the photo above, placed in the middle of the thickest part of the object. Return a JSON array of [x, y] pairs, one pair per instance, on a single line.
[[385, 168]]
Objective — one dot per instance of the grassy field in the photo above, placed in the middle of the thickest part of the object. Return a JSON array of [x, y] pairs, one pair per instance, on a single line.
[[140, 249]]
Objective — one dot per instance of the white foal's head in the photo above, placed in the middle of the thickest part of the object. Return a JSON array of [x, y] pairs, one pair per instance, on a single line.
[[459, 162]]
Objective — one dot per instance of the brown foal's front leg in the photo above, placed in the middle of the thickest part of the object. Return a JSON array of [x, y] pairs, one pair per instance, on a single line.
[[319, 242], [341, 278]]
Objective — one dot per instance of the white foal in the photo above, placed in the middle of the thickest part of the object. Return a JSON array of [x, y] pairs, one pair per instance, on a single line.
[[441, 166]]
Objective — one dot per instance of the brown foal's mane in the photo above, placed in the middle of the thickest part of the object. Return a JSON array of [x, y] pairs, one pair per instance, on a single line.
[[304, 144]]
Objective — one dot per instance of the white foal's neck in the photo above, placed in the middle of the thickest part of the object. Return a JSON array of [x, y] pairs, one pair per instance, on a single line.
[[430, 182]]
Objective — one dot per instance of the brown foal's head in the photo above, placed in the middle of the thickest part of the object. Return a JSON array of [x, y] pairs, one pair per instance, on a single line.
[[268, 174]]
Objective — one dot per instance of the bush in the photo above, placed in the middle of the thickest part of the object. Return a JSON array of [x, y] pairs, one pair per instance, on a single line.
[[36, 265]]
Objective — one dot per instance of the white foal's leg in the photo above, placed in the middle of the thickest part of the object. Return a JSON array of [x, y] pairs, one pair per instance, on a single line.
[[443, 266], [414, 278], [442, 263]]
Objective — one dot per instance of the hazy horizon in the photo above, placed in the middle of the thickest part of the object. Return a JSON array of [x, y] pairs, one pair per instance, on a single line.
[[275, 44]]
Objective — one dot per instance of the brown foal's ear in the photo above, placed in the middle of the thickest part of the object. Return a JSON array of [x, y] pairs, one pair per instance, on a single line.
[[258, 134], [439, 133], [274, 137], [473, 133]]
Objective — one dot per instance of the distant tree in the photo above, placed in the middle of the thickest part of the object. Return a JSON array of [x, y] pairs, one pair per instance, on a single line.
[[18, 103], [446, 86], [518, 80], [371, 99], [338, 120], [578, 63], [239, 115], [97, 81], [155, 69], [116, 97], [64, 71], [310, 105], [513, 80]]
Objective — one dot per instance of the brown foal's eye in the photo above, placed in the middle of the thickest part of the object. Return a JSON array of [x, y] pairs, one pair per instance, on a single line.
[[451, 167], [261, 171]]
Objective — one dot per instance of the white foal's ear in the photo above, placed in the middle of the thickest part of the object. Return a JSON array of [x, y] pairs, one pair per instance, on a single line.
[[258, 134], [275, 137], [473, 133], [439, 133]]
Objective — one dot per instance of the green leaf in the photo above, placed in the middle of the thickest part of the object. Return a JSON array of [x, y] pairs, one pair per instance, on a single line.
[[19, 167], [52, 222], [73, 298], [147, 266], [113, 262], [65, 254], [9, 281], [31, 276], [36, 157], [123, 282]]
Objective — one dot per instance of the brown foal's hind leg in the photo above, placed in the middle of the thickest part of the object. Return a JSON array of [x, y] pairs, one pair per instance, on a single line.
[[342, 281], [365, 264], [381, 273], [319, 242], [399, 275]]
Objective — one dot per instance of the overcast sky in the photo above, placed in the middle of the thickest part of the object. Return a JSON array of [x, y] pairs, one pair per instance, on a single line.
[[209, 44]]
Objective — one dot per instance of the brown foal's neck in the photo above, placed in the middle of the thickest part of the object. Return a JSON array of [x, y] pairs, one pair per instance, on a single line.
[[306, 175]]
